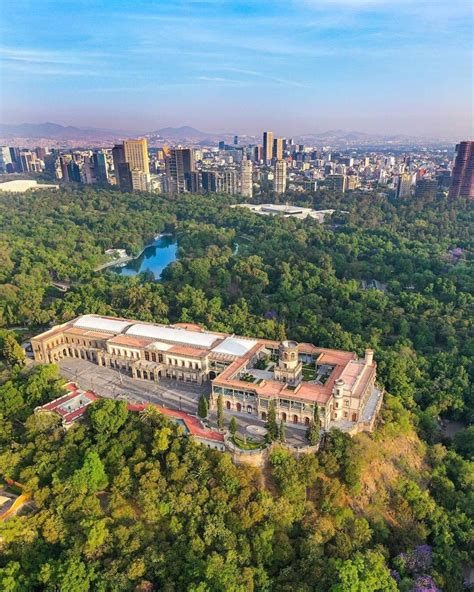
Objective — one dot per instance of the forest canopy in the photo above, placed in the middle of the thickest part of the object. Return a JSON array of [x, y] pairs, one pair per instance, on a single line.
[[122, 501]]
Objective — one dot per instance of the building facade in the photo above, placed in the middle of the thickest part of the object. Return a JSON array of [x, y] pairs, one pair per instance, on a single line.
[[267, 146], [180, 166], [301, 380], [462, 184], [279, 183], [246, 181]]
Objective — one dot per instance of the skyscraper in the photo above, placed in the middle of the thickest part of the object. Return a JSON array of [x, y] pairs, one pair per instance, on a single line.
[[462, 184], [278, 148], [246, 183], [5, 159], [426, 187], [136, 154], [130, 163], [179, 168], [404, 185], [279, 183], [267, 146]]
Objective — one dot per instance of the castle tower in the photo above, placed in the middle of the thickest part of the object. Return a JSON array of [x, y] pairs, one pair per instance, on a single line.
[[289, 366]]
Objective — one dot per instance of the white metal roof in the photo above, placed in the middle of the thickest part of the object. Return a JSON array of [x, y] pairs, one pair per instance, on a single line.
[[173, 334], [96, 323], [235, 346]]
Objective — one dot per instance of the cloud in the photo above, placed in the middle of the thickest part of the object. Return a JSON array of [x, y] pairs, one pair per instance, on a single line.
[[41, 56]]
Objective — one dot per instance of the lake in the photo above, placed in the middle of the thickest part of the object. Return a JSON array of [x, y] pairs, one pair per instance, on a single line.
[[154, 258]]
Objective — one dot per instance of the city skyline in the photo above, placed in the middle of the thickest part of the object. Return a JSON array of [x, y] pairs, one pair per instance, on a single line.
[[378, 67]]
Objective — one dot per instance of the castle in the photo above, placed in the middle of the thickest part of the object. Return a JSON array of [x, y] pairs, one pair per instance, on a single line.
[[304, 382]]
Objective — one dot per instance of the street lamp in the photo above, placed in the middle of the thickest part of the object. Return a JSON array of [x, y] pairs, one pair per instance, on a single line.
[[180, 402]]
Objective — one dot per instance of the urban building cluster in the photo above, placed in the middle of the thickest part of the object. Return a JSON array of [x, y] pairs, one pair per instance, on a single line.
[[277, 165], [303, 382]]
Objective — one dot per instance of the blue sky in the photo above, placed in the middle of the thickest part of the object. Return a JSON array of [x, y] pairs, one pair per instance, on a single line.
[[293, 66]]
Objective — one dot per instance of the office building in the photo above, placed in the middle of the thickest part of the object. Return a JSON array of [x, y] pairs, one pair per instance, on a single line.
[[5, 160], [236, 140], [180, 165], [258, 154], [352, 182], [404, 185], [336, 183], [462, 184], [246, 181], [279, 183], [426, 187], [340, 393], [278, 148], [101, 166], [267, 147], [136, 154]]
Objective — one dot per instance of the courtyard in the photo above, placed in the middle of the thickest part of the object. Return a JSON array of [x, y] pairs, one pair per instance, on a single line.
[[114, 384]]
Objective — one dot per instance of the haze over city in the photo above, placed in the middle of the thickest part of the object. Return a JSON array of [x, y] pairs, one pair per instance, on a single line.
[[295, 67]]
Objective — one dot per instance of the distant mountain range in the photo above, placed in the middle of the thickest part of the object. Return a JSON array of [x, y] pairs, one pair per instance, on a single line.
[[55, 134], [56, 131]]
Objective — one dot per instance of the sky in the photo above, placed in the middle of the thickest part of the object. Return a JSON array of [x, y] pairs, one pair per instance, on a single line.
[[292, 66]]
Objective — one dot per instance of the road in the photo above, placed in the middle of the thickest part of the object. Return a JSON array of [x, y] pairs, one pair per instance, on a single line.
[[111, 383]]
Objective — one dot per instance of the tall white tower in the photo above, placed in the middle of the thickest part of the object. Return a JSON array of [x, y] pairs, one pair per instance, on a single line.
[[246, 183], [280, 176]]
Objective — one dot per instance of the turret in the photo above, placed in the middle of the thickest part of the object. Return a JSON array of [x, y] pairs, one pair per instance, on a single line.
[[369, 357], [338, 388], [289, 367]]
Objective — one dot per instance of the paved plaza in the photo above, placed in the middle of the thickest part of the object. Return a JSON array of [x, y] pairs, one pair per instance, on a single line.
[[111, 383]]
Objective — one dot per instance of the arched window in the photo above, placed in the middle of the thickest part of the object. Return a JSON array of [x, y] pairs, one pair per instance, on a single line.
[[227, 404], [283, 416], [239, 407], [264, 416], [295, 419], [306, 421]]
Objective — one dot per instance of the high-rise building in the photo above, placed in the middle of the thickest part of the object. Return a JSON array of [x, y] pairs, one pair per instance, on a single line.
[[336, 183], [136, 154], [267, 146], [236, 140], [5, 159], [462, 184], [179, 168], [279, 183], [426, 187], [130, 160], [101, 167], [404, 185], [228, 182], [246, 182], [123, 176], [352, 182], [258, 154], [278, 148], [140, 180]]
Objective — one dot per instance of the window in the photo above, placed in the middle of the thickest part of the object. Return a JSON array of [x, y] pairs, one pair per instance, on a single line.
[[147, 356]]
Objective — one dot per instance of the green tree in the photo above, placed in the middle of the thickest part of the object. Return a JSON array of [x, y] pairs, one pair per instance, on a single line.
[[281, 431], [108, 416], [233, 426], [366, 572], [220, 412], [314, 432], [272, 427], [91, 477], [12, 350], [203, 407]]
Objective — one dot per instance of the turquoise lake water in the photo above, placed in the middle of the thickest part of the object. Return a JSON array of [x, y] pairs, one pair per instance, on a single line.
[[154, 258]]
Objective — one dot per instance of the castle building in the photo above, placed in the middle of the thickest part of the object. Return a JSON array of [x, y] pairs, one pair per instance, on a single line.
[[301, 380]]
